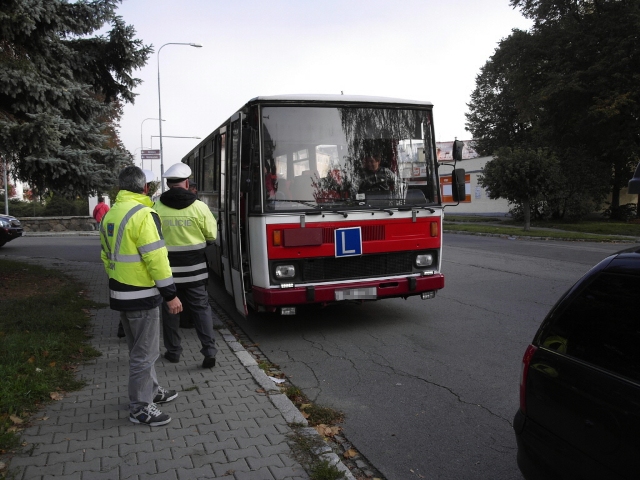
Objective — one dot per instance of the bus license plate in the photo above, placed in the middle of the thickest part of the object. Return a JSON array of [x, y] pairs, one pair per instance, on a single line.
[[368, 293]]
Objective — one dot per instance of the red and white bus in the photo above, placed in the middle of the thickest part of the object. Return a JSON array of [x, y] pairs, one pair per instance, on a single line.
[[322, 199]]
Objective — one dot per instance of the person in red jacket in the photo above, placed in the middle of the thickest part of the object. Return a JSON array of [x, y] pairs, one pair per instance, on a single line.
[[100, 209]]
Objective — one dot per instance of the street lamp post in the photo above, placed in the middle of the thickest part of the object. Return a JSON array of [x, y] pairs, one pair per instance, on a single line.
[[141, 142], [160, 106]]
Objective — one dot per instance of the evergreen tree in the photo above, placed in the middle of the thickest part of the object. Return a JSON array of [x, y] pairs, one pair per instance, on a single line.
[[62, 89]]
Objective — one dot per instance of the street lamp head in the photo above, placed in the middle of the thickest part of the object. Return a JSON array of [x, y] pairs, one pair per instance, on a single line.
[[197, 45]]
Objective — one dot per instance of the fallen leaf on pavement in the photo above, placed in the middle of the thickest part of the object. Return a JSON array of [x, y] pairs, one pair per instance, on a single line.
[[326, 430], [350, 453], [15, 419]]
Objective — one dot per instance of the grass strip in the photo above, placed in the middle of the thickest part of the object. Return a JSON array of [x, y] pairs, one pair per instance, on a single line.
[[600, 228], [44, 335], [519, 232], [595, 227]]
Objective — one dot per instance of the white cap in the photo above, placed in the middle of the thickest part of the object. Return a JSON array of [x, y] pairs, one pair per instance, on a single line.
[[178, 171], [149, 175]]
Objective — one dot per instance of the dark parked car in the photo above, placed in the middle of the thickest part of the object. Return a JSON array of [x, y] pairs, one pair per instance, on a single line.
[[579, 415], [10, 228]]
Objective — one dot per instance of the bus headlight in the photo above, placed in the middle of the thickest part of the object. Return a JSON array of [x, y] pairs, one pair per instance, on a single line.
[[285, 271], [424, 260]]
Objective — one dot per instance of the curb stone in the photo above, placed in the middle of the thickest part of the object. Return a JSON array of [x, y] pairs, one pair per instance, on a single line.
[[530, 237], [286, 407], [359, 464]]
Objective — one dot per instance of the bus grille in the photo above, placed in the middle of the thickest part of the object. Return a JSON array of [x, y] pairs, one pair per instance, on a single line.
[[369, 233], [341, 268]]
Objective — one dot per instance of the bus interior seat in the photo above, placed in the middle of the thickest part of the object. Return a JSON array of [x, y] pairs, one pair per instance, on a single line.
[[415, 196], [283, 188], [302, 188]]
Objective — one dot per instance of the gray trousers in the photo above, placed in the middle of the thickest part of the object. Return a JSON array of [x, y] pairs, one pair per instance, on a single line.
[[197, 301], [142, 331]]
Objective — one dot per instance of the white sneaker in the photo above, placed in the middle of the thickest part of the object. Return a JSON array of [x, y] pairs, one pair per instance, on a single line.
[[150, 415]]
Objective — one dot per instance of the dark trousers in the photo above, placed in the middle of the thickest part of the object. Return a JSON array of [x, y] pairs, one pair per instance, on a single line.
[[197, 301]]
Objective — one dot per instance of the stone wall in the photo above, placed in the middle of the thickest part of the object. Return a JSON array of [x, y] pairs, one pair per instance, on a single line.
[[58, 224]]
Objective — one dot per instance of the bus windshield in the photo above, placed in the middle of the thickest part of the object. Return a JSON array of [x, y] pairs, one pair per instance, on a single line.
[[339, 157]]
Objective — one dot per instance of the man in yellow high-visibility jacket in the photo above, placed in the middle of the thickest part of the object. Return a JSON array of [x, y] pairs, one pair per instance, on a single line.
[[188, 226], [136, 261]]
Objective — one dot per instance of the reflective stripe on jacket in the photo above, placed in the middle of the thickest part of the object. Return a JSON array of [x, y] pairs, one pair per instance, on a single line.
[[186, 232], [134, 254]]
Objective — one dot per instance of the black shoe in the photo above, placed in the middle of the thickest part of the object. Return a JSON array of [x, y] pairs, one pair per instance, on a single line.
[[172, 358], [120, 330], [209, 362]]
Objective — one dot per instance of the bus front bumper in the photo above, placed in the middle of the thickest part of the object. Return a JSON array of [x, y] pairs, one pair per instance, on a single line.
[[363, 290]]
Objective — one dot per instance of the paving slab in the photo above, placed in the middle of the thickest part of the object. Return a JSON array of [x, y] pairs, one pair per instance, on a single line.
[[224, 421]]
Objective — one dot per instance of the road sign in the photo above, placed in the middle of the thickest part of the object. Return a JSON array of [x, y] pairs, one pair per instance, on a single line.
[[348, 241], [150, 154]]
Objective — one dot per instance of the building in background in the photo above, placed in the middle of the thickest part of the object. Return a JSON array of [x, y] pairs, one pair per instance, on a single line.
[[477, 201]]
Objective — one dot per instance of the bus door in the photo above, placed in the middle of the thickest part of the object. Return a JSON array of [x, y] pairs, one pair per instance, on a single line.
[[234, 213], [223, 238]]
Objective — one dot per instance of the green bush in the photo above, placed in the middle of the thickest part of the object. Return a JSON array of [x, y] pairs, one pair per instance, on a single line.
[[59, 206], [54, 206], [18, 208], [624, 212]]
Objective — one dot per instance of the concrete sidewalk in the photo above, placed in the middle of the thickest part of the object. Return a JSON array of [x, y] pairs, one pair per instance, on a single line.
[[230, 421]]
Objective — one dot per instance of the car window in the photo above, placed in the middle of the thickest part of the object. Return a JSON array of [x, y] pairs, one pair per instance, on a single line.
[[601, 325]]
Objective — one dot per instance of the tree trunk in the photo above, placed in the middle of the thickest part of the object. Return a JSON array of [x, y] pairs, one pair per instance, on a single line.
[[615, 203], [526, 210]]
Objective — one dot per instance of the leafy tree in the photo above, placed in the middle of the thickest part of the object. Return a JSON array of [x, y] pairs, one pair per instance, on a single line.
[[522, 177], [498, 112], [590, 95], [61, 92], [569, 85]]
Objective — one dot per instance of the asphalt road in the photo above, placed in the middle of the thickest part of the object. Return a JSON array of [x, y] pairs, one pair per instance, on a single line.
[[77, 248], [429, 388]]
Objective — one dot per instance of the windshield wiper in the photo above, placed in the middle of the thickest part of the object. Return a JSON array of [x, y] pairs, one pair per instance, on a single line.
[[380, 209], [405, 208], [344, 214], [303, 202]]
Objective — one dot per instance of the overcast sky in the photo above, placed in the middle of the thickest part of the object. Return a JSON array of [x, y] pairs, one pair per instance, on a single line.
[[413, 49]]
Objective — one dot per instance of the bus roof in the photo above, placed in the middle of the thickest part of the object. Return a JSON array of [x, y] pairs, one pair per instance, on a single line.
[[338, 99]]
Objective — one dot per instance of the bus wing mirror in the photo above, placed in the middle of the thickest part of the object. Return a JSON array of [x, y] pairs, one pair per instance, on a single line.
[[458, 145], [458, 187], [634, 183]]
